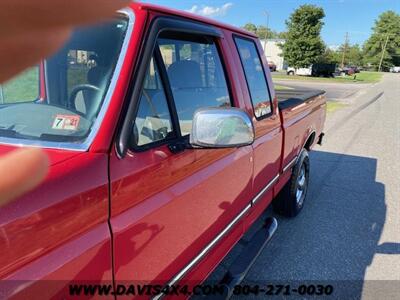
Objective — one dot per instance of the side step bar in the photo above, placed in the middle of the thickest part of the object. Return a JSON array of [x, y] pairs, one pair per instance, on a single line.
[[241, 266]]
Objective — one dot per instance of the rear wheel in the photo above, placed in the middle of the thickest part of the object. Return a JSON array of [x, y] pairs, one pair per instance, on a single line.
[[290, 200], [291, 73]]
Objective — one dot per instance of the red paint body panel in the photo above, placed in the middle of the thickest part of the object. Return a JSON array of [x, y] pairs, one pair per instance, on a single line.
[[59, 231], [144, 217]]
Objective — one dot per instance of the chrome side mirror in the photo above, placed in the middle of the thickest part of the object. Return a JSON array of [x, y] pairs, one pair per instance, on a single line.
[[221, 128]]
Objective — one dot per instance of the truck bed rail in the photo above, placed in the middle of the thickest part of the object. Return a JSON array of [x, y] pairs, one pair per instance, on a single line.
[[291, 98]]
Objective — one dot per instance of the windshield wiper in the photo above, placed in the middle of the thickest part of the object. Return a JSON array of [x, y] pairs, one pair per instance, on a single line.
[[7, 132], [12, 133], [61, 138]]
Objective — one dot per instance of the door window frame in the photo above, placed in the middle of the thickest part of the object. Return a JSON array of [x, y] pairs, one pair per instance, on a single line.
[[223, 64], [170, 104], [158, 26]]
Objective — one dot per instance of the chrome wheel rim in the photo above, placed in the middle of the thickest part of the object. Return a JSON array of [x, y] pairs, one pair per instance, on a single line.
[[301, 186]]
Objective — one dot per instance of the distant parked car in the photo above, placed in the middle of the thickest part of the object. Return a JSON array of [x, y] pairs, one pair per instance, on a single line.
[[347, 71], [355, 69], [315, 70], [272, 66], [395, 69]]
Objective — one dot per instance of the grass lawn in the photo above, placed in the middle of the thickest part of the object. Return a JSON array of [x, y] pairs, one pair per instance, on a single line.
[[282, 87], [363, 77], [332, 106], [23, 88]]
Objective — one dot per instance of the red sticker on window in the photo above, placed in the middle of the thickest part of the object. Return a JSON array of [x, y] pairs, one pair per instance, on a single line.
[[66, 122]]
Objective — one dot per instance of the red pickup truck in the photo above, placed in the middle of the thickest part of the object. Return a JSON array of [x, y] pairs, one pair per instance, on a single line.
[[167, 141]]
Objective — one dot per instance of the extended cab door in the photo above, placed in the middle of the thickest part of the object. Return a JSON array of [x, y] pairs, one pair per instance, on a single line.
[[268, 144], [169, 204]]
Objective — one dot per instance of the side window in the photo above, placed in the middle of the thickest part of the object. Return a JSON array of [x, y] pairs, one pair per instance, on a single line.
[[23, 88], [255, 77], [153, 120], [196, 76]]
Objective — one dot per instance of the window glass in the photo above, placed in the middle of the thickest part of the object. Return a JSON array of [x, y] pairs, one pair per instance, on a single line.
[[153, 120], [196, 77], [255, 77], [76, 80]]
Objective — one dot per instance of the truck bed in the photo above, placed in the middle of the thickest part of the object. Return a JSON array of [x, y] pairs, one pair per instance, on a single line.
[[291, 98]]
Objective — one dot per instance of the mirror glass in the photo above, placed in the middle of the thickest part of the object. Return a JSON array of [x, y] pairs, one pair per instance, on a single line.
[[221, 128]]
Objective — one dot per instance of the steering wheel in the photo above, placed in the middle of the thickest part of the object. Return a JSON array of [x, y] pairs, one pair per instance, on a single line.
[[76, 90]]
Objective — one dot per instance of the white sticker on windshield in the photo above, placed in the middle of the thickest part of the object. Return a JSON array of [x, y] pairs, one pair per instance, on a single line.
[[66, 122]]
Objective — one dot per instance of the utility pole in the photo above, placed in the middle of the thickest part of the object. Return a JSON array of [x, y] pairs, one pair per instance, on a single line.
[[266, 32], [346, 41], [383, 53]]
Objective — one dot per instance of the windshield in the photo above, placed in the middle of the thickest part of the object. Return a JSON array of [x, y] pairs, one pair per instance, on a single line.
[[60, 99]]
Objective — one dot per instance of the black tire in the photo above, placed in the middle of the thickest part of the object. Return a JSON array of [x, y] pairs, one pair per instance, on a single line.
[[290, 73], [291, 198]]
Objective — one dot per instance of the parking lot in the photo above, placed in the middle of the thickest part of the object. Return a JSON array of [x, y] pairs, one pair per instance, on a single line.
[[348, 233]]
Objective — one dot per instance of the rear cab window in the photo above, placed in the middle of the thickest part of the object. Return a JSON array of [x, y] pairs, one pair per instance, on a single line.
[[255, 77]]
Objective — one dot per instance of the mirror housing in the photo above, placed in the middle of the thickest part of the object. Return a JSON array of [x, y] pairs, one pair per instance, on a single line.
[[221, 128]]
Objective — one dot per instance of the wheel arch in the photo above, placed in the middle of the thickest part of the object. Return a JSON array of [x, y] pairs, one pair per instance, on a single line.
[[309, 141]]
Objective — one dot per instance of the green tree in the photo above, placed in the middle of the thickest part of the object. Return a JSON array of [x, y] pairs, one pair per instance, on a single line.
[[304, 45], [250, 27], [329, 56], [354, 55], [263, 32], [281, 35], [387, 28]]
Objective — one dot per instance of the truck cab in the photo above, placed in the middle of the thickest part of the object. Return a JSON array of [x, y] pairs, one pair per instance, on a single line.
[[167, 141]]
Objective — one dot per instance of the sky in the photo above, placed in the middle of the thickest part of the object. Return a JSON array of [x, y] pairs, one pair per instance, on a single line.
[[353, 16]]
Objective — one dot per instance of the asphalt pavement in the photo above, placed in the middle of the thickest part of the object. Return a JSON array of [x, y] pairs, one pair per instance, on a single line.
[[348, 234]]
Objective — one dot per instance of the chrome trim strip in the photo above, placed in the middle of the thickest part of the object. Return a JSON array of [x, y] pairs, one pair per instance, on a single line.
[[84, 146], [185, 270], [290, 164], [266, 188]]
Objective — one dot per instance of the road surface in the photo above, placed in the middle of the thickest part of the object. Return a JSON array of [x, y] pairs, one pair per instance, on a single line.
[[348, 234]]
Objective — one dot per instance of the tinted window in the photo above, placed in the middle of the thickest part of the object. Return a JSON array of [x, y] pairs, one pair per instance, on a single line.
[[196, 77], [153, 120], [255, 77]]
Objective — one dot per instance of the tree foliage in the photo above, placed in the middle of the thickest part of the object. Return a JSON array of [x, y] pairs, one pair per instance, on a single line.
[[250, 27], [353, 55], [387, 27], [263, 32], [304, 45]]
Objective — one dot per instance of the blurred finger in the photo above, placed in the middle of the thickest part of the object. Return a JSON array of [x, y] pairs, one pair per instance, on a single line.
[[28, 49], [21, 171], [17, 16]]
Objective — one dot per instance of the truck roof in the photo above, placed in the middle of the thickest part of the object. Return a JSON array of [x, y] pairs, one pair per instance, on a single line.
[[188, 15]]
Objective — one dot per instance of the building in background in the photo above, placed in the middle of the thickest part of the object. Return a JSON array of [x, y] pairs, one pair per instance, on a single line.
[[273, 52]]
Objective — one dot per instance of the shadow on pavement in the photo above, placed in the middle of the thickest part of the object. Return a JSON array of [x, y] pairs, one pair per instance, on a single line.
[[335, 237]]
